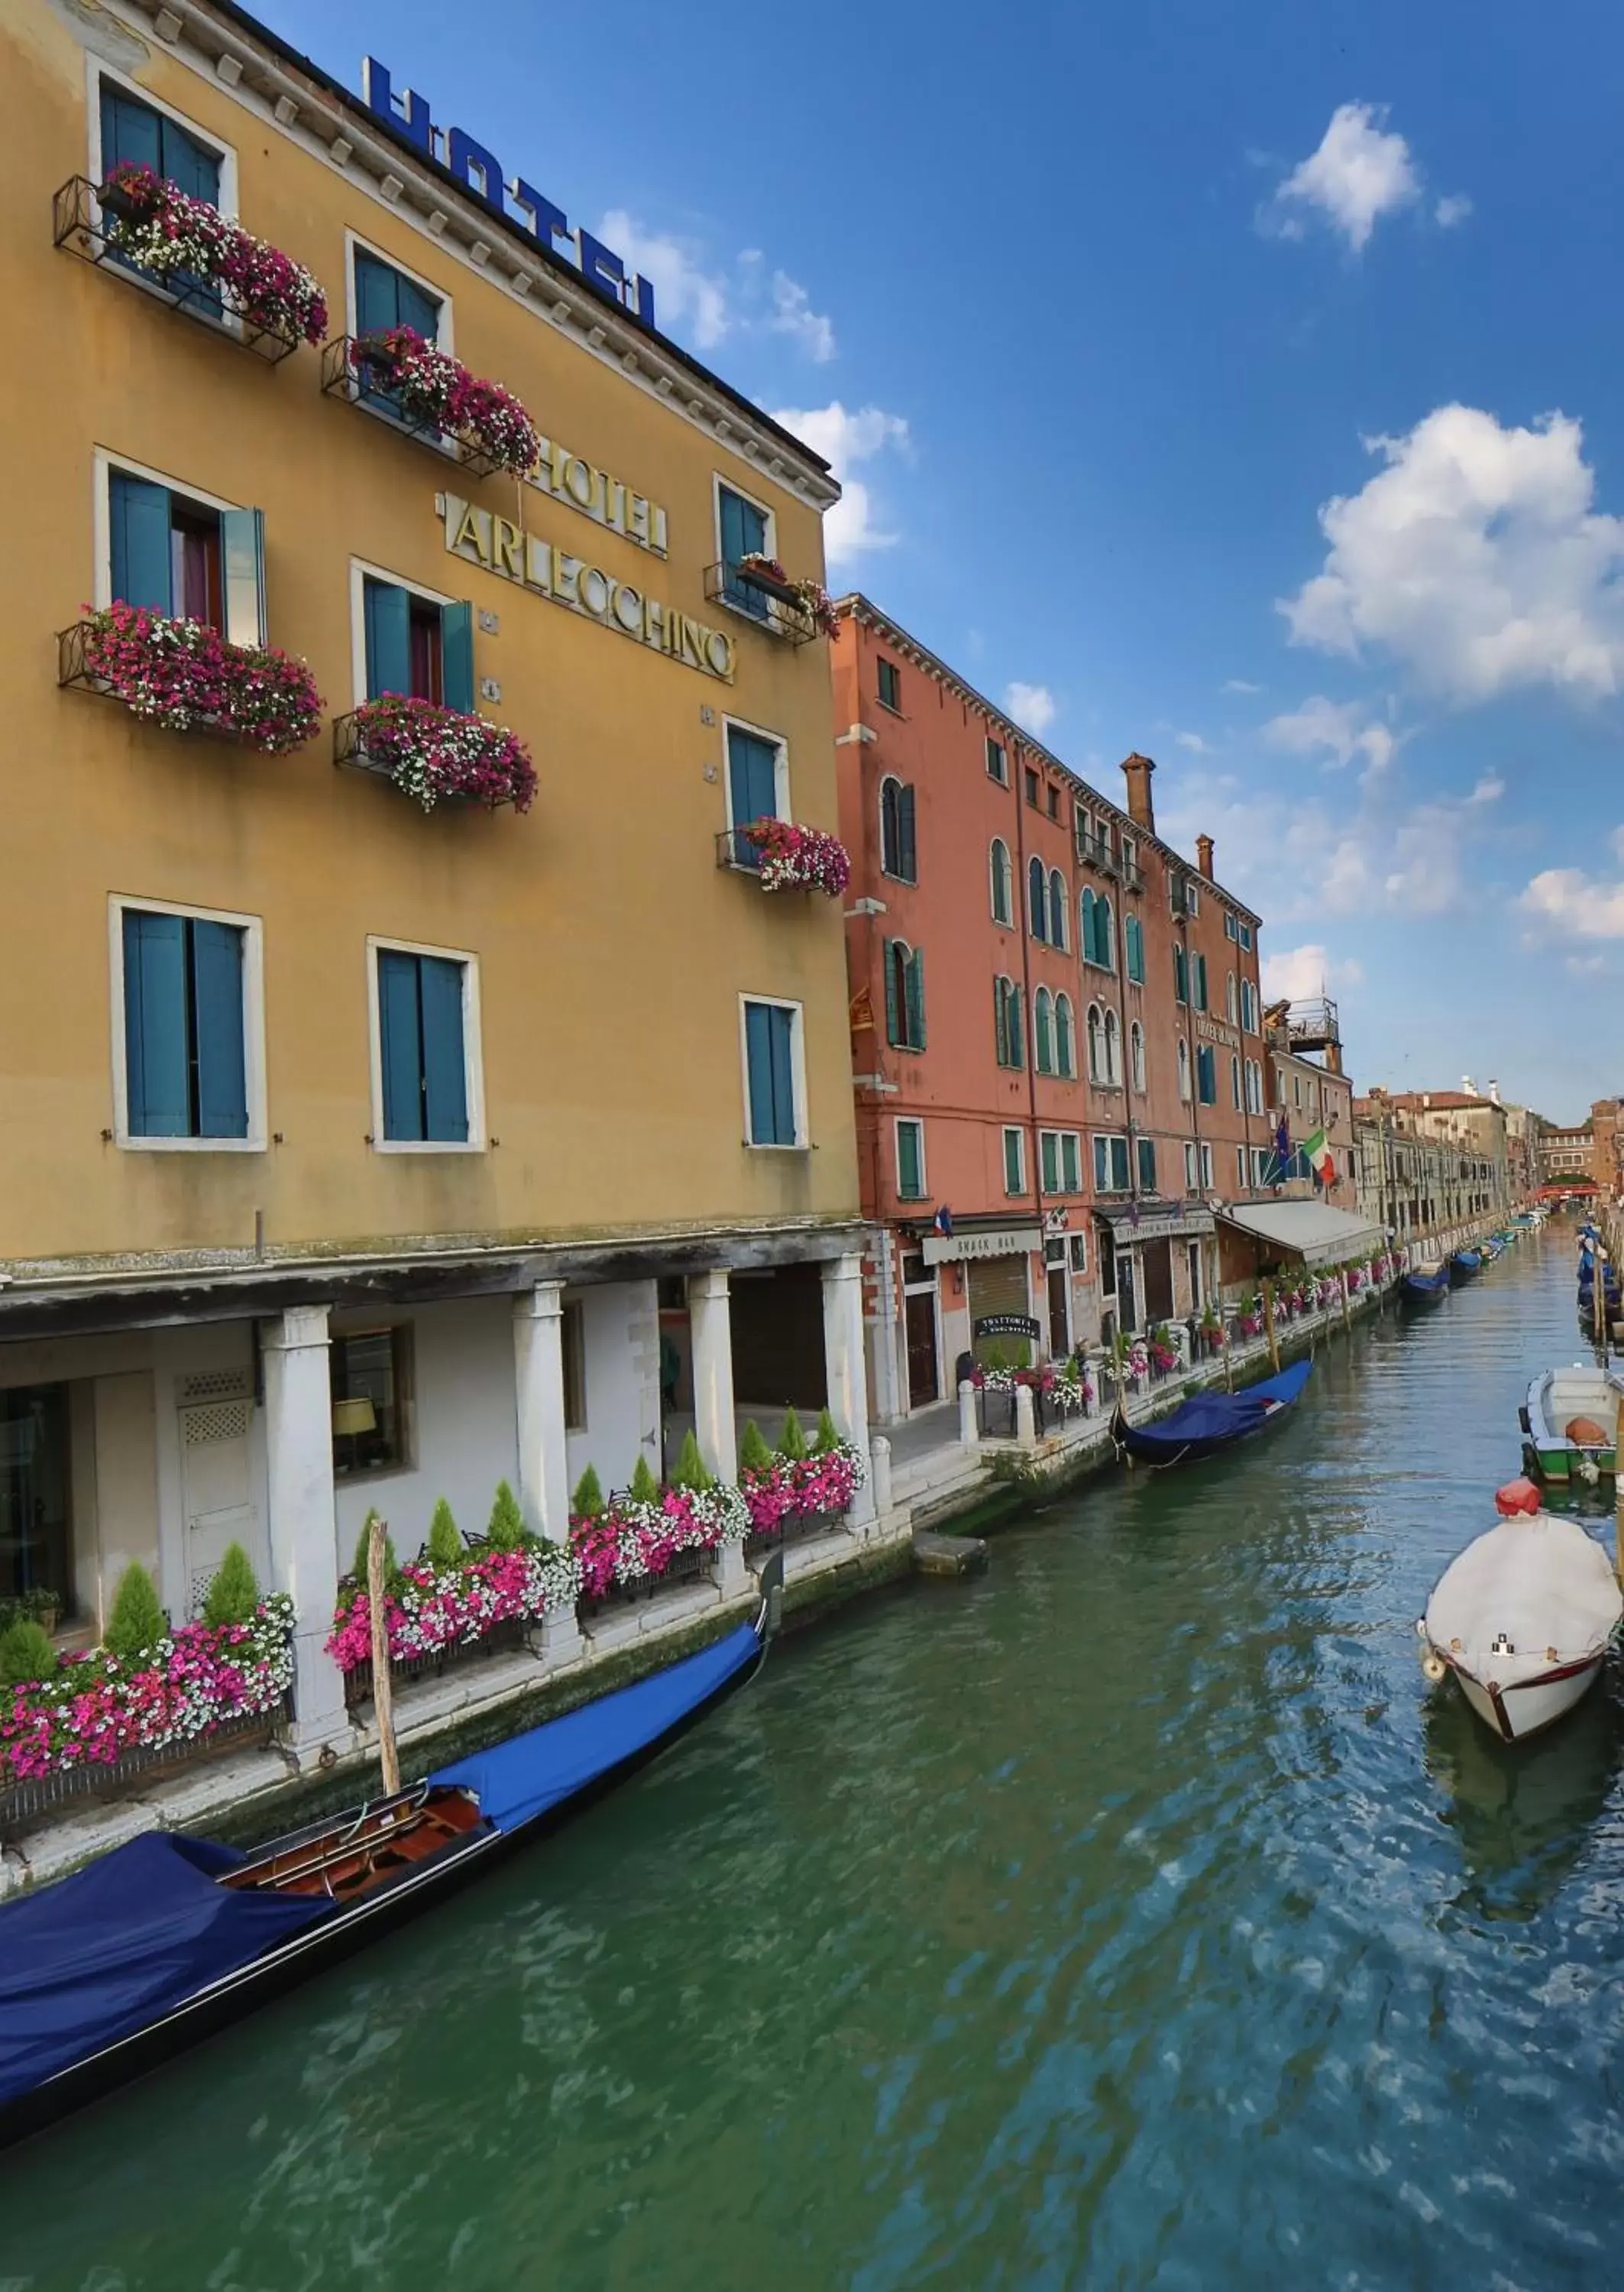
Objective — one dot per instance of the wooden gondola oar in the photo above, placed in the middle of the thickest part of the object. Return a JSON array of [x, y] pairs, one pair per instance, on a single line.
[[383, 1685]]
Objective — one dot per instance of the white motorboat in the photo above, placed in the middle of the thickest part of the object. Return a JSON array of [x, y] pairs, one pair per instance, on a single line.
[[1565, 1411], [1522, 1617]]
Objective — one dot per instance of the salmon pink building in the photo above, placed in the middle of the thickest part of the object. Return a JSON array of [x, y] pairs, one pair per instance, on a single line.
[[1057, 1045]]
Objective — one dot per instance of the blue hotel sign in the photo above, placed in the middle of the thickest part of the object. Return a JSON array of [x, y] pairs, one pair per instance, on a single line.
[[516, 201]]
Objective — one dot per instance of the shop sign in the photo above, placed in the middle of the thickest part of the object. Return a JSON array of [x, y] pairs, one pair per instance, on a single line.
[[1212, 1030], [514, 554], [1000, 1241], [479, 173], [1006, 1325], [1171, 1226]]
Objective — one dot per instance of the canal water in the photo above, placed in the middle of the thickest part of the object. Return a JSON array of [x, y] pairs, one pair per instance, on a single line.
[[1132, 1916]]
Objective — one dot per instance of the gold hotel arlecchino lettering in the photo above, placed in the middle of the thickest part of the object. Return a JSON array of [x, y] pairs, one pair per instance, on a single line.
[[506, 549], [564, 477]]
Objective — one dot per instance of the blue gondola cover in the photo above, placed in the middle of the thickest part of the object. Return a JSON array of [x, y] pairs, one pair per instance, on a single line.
[[88, 1962], [517, 1780], [1213, 1420]]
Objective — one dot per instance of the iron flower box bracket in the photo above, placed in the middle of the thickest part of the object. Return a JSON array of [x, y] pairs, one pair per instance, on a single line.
[[78, 228], [774, 606], [342, 377], [351, 755], [74, 672], [736, 850]]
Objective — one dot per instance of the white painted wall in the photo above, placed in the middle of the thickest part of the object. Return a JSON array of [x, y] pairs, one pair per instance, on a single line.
[[621, 1329]]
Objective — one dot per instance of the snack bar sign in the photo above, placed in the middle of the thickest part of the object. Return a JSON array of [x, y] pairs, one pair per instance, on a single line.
[[478, 169]]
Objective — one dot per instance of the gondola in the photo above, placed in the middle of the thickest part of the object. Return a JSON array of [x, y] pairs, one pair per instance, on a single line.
[[1211, 1421], [164, 1940], [1465, 1264], [1426, 1285]]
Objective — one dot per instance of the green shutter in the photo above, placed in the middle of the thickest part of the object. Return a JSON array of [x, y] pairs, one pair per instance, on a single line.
[[242, 548], [1181, 976], [1042, 1032], [1017, 1028], [909, 1182], [457, 656], [444, 1059], [130, 132], [400, 1045], [782, 1034], [1047, 1143], [758, 1068], [915, 985], [157, 1092], [377, 294], [1069, 1171], [388, 616], [753, 787], [139, 529], [217, 1002], [1012, 1162], [893, 1008], [908, 858]]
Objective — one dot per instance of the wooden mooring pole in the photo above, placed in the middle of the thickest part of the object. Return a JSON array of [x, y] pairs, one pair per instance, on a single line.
[[1348, 1319], [1268, 1321], [383, 1685]]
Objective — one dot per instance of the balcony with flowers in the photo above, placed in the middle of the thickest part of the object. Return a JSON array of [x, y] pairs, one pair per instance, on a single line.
[[138, 223], [435, 755], [432, 397], [149, 1699], [783, 606], [186, 676], [783, 856]]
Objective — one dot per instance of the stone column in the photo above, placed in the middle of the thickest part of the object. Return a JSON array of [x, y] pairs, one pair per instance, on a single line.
[[970, 1431], [543, 1454], [711, 1344], [1026, 1418], [846, 1368], [303, 1527], [879, 1475]]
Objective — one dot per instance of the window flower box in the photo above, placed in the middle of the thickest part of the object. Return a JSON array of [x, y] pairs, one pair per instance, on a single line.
[[434, 754], [434, 1611], [760, 589], [634, 1542], [434, 397], [787, 857], [801, 1494], [185, 677], [807, 597], [99, 1726], [210, 265]]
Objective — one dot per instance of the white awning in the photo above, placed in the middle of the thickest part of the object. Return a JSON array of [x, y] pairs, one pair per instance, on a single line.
[[1311, 1230]]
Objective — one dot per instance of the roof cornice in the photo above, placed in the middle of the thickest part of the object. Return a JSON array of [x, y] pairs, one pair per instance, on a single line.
[[293, 97]]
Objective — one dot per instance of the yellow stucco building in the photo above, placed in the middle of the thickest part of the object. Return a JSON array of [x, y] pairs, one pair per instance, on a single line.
[[354, 1152]]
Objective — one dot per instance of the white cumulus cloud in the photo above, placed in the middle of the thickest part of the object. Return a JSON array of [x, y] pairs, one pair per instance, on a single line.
[[1575, 904], [793, 315], [1341, 728], [1239, 685], [1476, 555], [1194, 742], [1297, 974], [1031, 705], [1361, 172], [690, 301], [1451, 210], [846, 437]]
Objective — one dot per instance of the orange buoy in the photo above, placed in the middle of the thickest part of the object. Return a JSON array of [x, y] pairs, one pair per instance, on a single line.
[[1519, 1496]]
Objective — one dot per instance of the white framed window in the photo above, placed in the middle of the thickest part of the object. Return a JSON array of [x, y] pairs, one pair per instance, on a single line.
[[187, 997], [419, 303], [176, 549], [1001, 881], [1061, 1154], [1080, 1253], [428, 1081], [1229, 925], [1136, 1056], [1240, 1167], [127, 122], [1015, 1160], [1192, 897], [1231, 1003], [1183, 1069], [911, 1186], [998, 763], [1111, 1164], [755, 782], [1260, 1166], [1234, 1082], [1206, 1166], [772, 1061], [440, 608], [1197, 1292], [1191, 1168]]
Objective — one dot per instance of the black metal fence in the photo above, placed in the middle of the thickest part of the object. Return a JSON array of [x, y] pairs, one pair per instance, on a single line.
[[29, 1802]]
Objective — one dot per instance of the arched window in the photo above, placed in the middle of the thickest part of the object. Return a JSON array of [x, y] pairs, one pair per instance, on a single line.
[[1096, 1045], [1234, 1080], [1043, 1031], [1059, 906], [1183, 1069], [896, 850], [1007, 1030], [1065, 1038], [1136, 1053], [1114, 1048], [904, 996], [1085, 926], [1037, 899], [1229, 998], [1003, 888]]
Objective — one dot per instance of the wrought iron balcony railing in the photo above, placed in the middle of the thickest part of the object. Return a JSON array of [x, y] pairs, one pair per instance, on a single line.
[[343, 376], [78, 227], [775, 607]]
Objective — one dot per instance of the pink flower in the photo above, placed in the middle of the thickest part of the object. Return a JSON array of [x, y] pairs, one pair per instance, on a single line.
[[184, 675], [439, 392], [432, 752], [796, 859], [162, 230]]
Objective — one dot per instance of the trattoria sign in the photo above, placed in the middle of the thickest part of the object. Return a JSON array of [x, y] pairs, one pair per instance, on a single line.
[[514, 554]]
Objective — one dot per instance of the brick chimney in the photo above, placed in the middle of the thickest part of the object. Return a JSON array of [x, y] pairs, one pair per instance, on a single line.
[[1203, 855], [1137, 770]]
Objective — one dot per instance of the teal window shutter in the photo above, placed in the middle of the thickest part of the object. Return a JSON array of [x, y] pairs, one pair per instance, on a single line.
[[416, 307], [217, 951], [758, 1065], [908, 857], [1037, 898], [1050, 1144], [1017, 1028], [914, 991], [1070, 1171], [242, 548], [377, 294], [1102, 1168], [1043, 1031], [387, 611], [457, 656], [1147, 1165], [445, 1067], [1012, 1161], [753, 787], [910, 1178], [399, 1036], [156, 1049], [893, 997], [1181, 976], [1199, 962], [130, 132], [782, 1033], [138, 529], [188, 163], [743, 534], [1119, 1165]]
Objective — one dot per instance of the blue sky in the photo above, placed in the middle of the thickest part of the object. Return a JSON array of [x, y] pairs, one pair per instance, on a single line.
[[1237, 385]]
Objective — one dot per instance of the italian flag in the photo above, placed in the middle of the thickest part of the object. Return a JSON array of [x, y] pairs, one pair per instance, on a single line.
[[1320, 1159]]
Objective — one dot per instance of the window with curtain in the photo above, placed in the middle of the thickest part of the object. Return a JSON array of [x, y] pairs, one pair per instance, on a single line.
[[1006, 1022], [904, 996], [1206, 1069], [1037, 899], [1136, 1053], [1183, 1069], [1043, 1031], [753, 787], [1114, 1048], [743, 530], [422, 1048], [185, 1062], [1094, 1026], [896, 844], [185, 559], [1059, 903], [1002, 882], [772, 1110], [1133, 934], [386, 298], [1066, 1039], [417, 646]]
